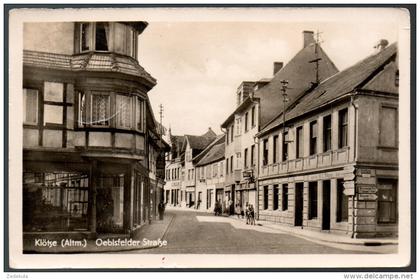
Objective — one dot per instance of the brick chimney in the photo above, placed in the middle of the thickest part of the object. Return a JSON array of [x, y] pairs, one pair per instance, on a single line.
[[308, 38], [277, 67]]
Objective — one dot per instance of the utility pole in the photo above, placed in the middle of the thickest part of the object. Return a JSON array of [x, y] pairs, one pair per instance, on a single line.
[[161, 118], [317, 58], [284, 88]]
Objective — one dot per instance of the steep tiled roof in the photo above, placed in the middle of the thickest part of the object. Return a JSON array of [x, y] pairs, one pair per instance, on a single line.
[[300, 74], [219, 139], [104, 62], [201, 142], [363, 74], [216, 152]]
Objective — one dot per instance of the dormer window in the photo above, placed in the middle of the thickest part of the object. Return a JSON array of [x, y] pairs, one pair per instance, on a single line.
[[103, 36]]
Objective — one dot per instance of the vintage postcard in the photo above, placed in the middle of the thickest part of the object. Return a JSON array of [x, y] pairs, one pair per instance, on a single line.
[[209, 137]]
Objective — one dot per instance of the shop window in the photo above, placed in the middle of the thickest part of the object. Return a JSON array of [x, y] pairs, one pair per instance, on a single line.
[[110, 204], [53, 103], [299, 142], [275, 197], [343, 128], [285, 197], [100, 110], [342, 202], [30, 106], [55, 201], [313, 200], [313, 127], [123, 111], [265, 205], [265, 152], [388, 130], [327, 133], [387, 201], [275, 148]]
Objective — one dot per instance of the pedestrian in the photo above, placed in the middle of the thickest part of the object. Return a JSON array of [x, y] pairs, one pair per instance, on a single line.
[[161, 210], [247, 212], [238, 210], [251, 214]]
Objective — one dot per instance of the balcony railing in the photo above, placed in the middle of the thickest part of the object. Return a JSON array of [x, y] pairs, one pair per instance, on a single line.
[[330, 158]]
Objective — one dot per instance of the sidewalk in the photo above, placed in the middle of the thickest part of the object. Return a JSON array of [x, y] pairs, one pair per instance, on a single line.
[[323, 236], [146, 237]]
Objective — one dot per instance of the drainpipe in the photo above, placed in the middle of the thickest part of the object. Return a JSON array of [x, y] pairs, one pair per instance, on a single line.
[[257, 157], [354, 160]]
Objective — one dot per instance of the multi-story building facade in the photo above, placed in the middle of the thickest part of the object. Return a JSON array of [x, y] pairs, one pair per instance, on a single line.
[[257, 104], [182, 183], [331, 162], [92, 157], [210, 174]]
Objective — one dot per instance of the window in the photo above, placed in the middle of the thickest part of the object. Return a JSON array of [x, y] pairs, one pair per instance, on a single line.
[[53, 103], [102, 36], [123, 111], [313, 131], [221, 169], [140, 116], [238, 126], [253, 155], [343, 128], [327, 133], [100, 110], [246, 121], [231, 164], [82, 109], [299, 142], [227, 166], [388, 130], [30, 106], [313, 200], [285, 155], [246, 158], [238, 160], [85, 36], [265, 151], [387, 201], [231, 132], [265, 205], [342, 202], [275, 152], [253, 116], [284, 197], [275, 197], [215, 170]]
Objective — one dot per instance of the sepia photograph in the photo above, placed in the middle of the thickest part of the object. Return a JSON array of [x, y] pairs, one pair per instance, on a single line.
[[209, 137]]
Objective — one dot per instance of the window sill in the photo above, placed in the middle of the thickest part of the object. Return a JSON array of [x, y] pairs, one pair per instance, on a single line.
[[388, 148]]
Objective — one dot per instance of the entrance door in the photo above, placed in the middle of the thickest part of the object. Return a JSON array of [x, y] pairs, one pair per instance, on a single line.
[[299, 204], [326, 205]]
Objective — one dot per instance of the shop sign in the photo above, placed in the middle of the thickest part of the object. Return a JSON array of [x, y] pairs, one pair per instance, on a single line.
[[367, 196], [367, 189]]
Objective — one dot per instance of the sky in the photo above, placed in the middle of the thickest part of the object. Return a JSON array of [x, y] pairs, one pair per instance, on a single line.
[[199, 65]]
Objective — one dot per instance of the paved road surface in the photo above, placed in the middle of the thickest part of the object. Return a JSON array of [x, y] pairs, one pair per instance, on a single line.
[[202, 233]]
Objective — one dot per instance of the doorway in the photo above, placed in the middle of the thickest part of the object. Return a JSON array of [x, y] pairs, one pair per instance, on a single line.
[[326, 205], [299, 204]]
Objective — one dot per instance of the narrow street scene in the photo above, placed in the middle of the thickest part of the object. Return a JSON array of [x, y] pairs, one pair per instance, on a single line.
[[244, 138], [191, 232]]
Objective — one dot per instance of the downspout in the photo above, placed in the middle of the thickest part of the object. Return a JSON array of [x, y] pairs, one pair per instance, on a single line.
[[257, 156], [354, 160]]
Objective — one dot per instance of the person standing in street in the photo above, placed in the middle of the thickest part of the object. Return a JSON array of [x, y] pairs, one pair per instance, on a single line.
[[238, 210]]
